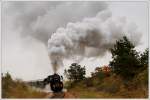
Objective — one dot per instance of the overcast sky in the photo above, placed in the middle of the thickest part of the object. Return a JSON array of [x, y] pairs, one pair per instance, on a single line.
[[27, 26]]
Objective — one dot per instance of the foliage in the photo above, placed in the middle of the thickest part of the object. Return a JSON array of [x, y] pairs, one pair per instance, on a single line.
[[102, 72], [144, 57], [128, 77], [75, 72], [110, 87], [144, 60], [142, 78], [110, 84], [125, 59], [18, 89]]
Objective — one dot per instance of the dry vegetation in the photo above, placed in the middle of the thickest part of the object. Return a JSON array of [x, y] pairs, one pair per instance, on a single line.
[[18, 89], [111, 87], [125, 77]]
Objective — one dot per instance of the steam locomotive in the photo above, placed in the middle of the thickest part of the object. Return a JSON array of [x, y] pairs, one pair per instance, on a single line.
[[55, 81]]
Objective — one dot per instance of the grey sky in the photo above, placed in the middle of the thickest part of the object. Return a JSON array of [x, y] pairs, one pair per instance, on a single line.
[[26, 27]]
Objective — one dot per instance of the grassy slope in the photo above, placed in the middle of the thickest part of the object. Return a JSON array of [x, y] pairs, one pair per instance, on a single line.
[[112, 87], [17, 89]]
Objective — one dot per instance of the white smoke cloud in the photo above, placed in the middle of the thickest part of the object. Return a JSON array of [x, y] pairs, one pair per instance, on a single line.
[[27, 26], [40, 19], [91, 37]]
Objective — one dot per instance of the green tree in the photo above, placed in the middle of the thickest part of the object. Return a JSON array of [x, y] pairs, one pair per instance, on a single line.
[[144, 58], [125, 59], [75, 72], [142, 77], [6, 83]]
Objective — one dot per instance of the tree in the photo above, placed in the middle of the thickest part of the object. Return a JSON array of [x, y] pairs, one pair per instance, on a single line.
[[75, 72], [125, 59], [144, 62], [6, 83], [144, 58]]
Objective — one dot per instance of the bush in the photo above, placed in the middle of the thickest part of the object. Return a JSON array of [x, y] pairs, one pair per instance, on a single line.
[[88, 82], [110, 84], [142, 78]]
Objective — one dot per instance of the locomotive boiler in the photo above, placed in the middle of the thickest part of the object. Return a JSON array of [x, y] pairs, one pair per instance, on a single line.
[[55, 82]]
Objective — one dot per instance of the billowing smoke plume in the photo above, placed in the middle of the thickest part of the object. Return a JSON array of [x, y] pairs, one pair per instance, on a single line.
[[39, 19], [90, 37]]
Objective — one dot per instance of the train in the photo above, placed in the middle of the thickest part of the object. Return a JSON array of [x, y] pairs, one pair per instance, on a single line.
[[55, 81]]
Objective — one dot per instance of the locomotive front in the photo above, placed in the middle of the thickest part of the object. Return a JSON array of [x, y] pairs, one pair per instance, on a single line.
[[55, 82]]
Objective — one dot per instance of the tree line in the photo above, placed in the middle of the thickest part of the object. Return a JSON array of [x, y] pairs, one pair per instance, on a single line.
[[126, 62]]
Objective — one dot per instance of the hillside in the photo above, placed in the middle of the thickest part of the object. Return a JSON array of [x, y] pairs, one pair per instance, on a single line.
[[126, 76], [18, 89], [111, 87], [99, 85]]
